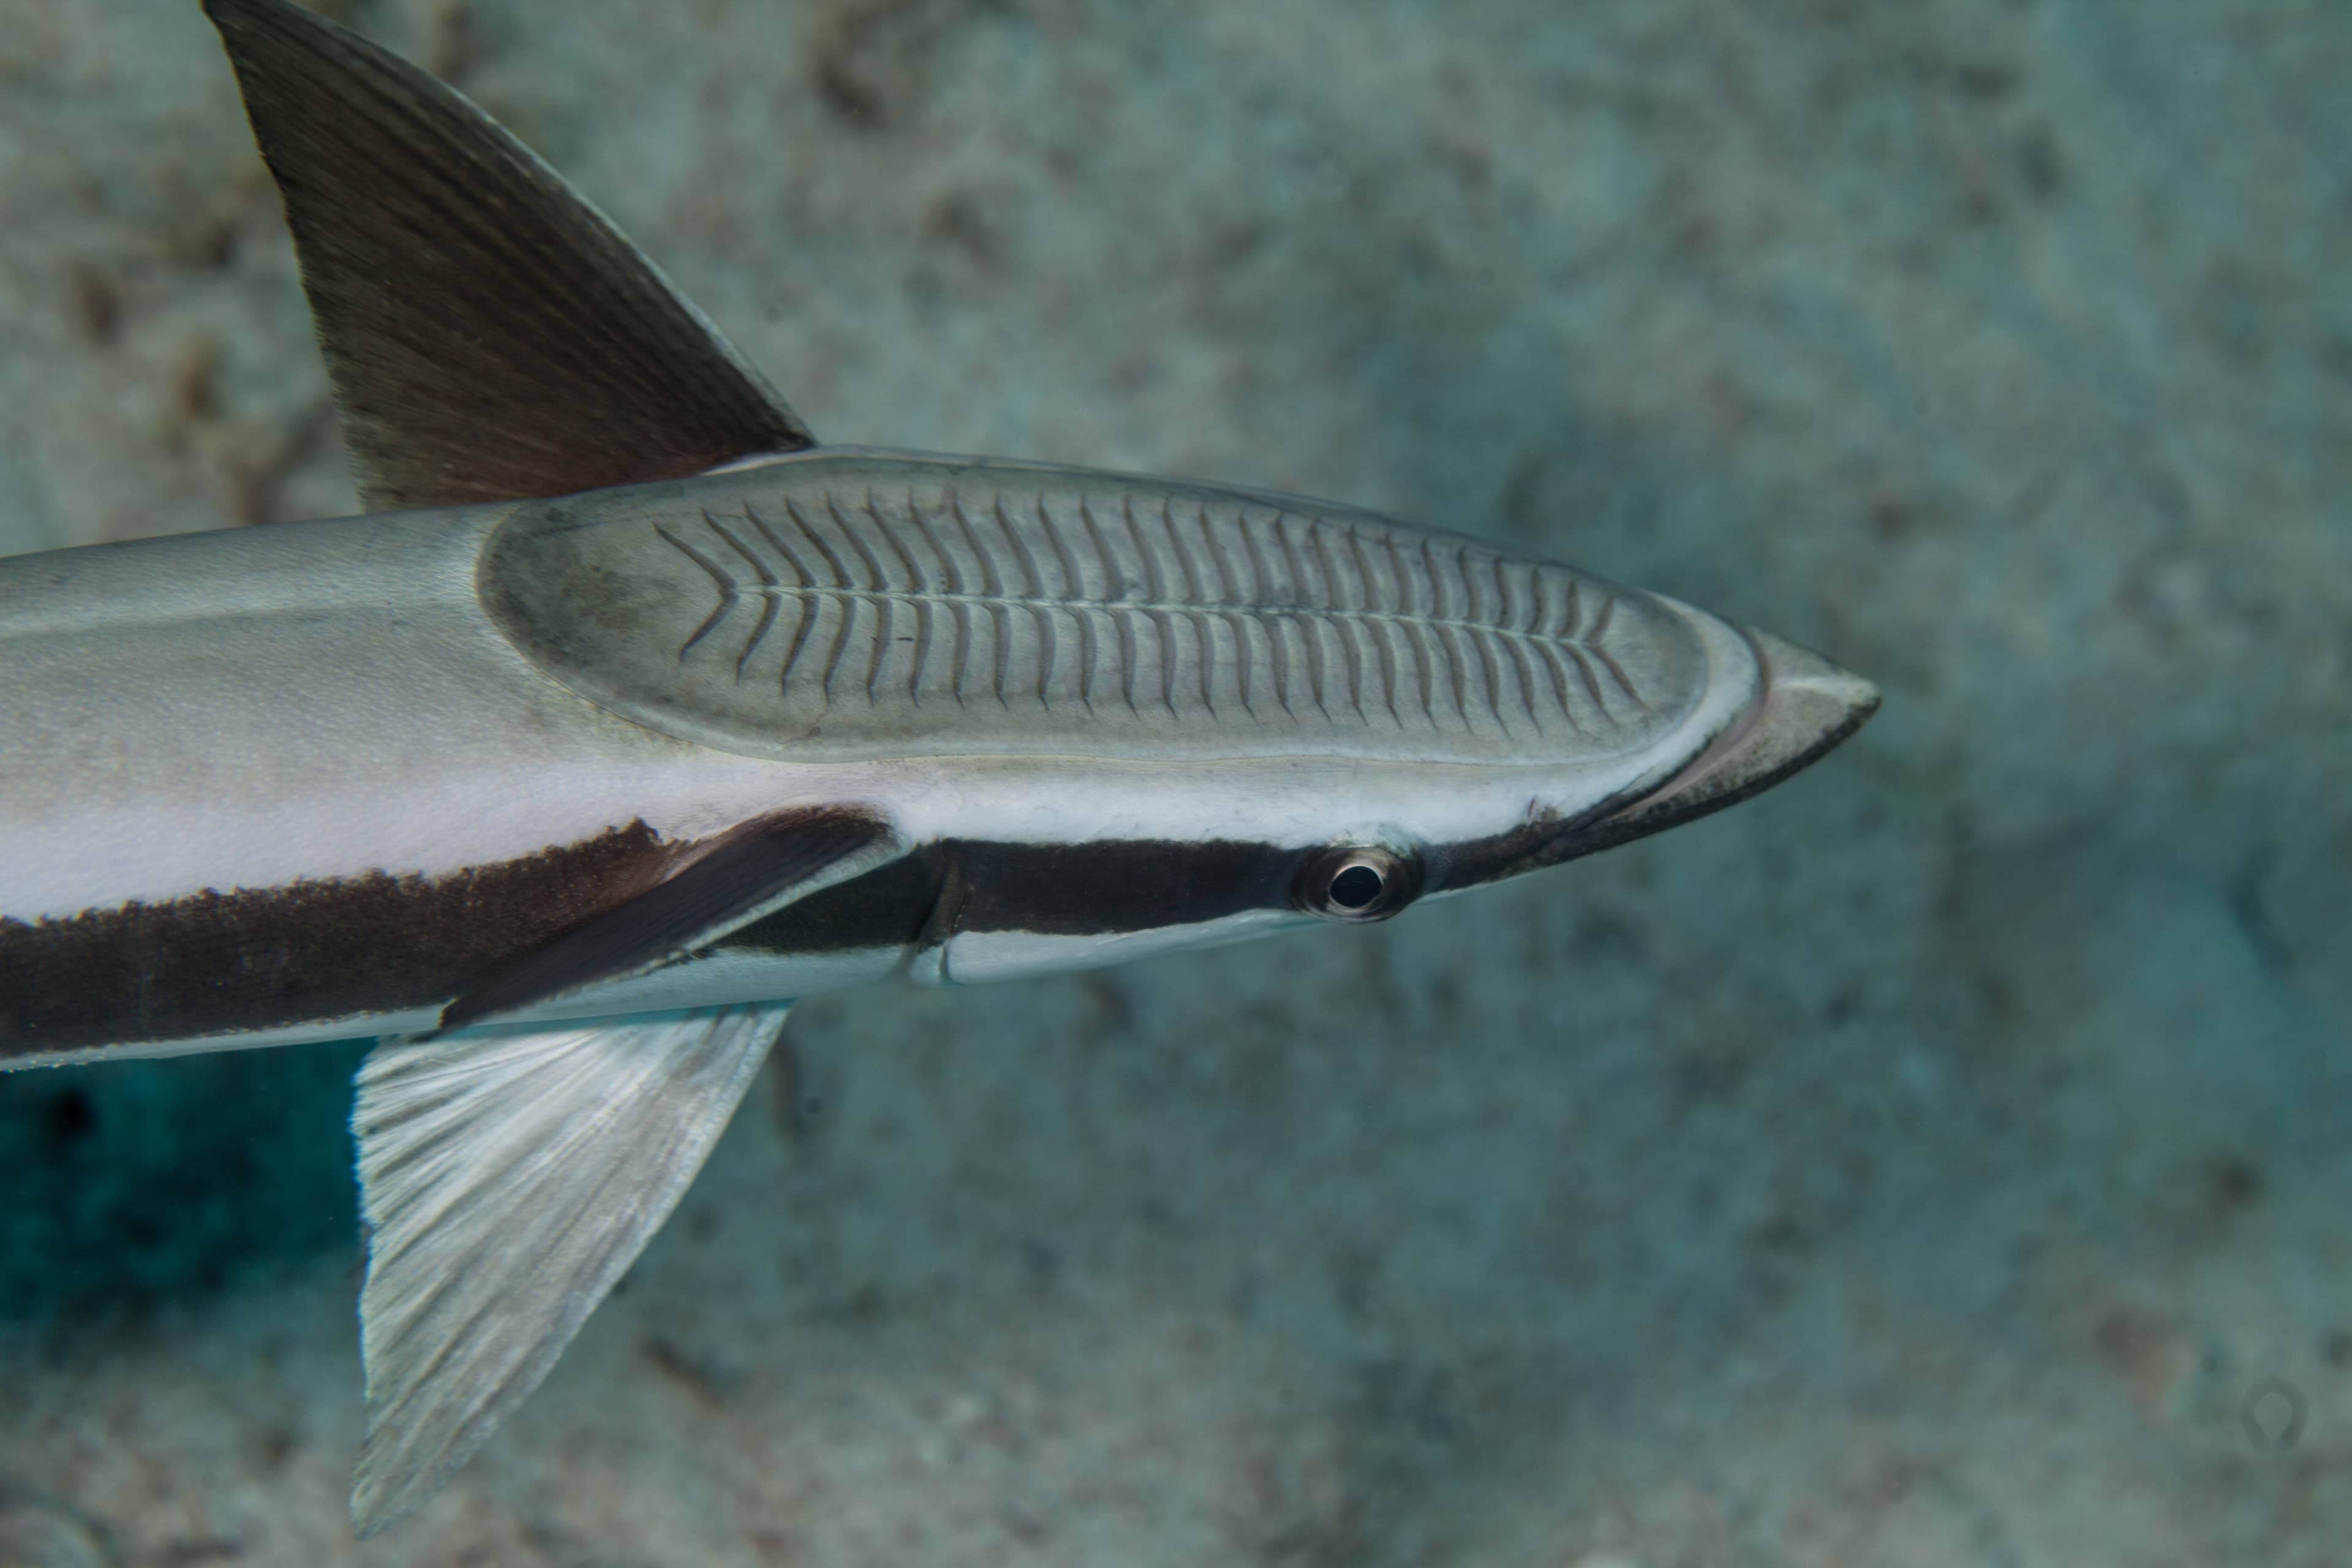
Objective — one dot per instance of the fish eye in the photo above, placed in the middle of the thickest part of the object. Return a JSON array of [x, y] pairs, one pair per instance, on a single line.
[[1356, 882], [1356, 886]]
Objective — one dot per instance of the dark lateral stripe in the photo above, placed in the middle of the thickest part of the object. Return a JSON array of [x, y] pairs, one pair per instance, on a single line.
[[223, 963], [1047, 889], [752, 865], [1123, 885], [886, 908], [272, 958]]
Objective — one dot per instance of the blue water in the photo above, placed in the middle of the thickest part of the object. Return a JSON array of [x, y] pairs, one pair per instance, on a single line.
[[1939, 1159]]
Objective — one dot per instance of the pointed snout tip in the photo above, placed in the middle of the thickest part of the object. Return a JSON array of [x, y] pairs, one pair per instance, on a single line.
[[1803, 707], [1807, 696]]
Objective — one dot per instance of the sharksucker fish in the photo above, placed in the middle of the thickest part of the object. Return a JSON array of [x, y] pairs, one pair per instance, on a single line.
[[629, 713]]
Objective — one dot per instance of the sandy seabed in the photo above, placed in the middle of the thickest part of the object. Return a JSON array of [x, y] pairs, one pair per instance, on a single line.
[[1941, 1160]]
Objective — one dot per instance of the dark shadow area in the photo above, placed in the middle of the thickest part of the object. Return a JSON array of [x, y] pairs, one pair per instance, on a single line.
[[146, 1179]]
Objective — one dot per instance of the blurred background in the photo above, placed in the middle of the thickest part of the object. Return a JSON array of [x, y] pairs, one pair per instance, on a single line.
[[1941, 1160]]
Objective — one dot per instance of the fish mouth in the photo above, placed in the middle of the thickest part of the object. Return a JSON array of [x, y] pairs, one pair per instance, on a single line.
[[1803, 708], [1800, 707]]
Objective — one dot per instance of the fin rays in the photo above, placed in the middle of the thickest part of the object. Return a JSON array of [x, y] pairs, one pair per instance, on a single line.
[[509, 1179], [488, 333]]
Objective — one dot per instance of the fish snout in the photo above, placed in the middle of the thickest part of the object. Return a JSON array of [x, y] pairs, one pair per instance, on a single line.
[[1802, 707]]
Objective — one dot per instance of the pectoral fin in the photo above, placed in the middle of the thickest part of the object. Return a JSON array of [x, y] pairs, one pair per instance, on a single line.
[[490, 335], [508, 1178], [742, 876]]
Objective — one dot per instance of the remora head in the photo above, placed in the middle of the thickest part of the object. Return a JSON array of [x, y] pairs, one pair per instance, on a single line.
[[1133, 715]]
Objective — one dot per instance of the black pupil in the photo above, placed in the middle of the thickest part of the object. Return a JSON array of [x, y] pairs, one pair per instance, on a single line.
[[1355, 887]]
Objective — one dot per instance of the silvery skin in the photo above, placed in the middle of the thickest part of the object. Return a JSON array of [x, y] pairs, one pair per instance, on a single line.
[[629, 713]]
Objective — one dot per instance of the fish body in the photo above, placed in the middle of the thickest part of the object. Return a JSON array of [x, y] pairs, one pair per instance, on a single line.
[[629, 714], [338, 771]]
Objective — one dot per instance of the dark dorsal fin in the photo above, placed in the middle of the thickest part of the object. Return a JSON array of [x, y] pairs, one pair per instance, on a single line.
[[489, 334]]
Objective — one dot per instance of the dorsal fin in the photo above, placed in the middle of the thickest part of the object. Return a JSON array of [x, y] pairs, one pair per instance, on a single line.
[[489, 334]]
